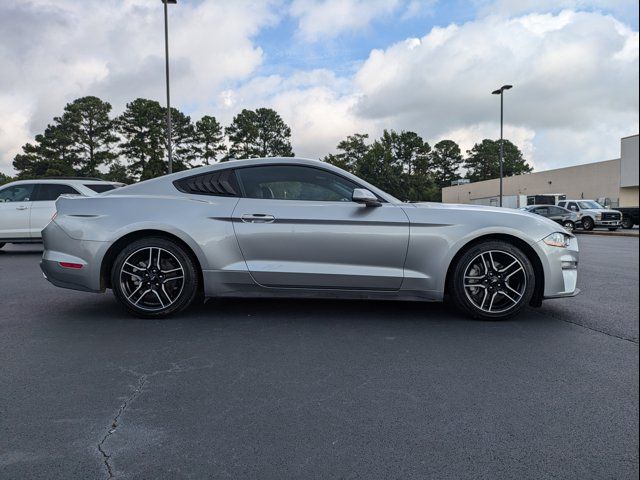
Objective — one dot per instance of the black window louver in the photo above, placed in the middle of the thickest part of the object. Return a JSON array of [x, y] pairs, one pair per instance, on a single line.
[[216, 183]]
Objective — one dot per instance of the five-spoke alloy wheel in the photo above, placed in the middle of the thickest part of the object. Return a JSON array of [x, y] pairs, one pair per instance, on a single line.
[[154, 277], [493, 280]]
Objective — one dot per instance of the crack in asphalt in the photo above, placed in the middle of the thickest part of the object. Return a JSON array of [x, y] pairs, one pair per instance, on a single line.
[[143, 379]]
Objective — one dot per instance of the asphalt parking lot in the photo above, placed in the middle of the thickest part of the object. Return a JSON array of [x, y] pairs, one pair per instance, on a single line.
[[320, 389]]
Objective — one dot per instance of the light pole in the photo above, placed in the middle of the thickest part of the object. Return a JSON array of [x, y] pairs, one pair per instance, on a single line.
[[166, 64], [500, 92]]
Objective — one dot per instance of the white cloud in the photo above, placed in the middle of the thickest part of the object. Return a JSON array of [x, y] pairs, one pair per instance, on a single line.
[[54, 51], [575, 74], [324, 19], [573, 71]]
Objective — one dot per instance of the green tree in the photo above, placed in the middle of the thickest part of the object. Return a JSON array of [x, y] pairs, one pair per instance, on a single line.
[[183, 140], [51, 154], [209, 140], [352, 150], [483, 161], [445, 162], [143, 130], [5, 178], [92, 133], [409, 149], [259, 133]]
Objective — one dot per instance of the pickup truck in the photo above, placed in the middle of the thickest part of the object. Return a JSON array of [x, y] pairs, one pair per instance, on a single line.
[[629, 216], [592, 214]]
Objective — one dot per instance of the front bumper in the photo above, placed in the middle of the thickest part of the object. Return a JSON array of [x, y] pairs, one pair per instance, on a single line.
[[560, 269], [60, 249], [608, 223]]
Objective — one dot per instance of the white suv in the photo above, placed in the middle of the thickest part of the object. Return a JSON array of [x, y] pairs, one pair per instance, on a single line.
[[26, 206]]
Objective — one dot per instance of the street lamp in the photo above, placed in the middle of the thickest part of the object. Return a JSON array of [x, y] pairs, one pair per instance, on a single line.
[[500, 92], [166, 56]]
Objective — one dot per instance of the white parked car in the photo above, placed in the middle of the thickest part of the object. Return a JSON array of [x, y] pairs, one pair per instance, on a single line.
[[26, 206]]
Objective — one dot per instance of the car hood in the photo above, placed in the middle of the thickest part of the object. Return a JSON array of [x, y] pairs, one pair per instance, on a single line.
[[482, 216]]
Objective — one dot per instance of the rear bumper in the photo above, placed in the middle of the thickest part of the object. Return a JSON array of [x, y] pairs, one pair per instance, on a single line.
[[60, 249]]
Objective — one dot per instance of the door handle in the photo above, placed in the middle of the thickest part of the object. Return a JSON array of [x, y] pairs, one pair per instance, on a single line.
[[257, 218], [21, 207]]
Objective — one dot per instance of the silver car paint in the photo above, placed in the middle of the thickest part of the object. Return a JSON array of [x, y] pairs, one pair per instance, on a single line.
[[317, 249]]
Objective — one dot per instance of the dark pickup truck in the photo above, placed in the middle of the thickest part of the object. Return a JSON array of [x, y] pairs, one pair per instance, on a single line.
[[629, 216]]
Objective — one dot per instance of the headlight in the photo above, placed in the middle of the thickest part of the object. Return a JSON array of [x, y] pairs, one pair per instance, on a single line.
[[557, 240], [598, 216]]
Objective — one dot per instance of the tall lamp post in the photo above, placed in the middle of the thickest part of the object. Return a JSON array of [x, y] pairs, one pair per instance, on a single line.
[[500, 92], [166, 64]]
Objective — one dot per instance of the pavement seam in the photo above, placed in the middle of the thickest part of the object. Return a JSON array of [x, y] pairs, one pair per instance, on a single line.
[[631, 340]]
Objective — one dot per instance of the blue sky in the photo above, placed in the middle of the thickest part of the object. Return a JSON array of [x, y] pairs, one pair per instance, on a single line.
[[332, 68]]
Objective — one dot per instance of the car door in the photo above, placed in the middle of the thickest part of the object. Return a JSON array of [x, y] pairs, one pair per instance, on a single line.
[[298, 227], [44, 205], [15, 204], [557, 214]]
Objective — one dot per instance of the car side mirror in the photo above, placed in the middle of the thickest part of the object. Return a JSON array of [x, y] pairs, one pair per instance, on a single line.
[[362, 195]]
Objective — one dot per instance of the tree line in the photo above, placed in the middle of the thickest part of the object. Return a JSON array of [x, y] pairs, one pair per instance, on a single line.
[[87, 141]]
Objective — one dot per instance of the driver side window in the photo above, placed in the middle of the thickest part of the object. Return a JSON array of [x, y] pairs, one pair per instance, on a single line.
[[573, 206], [17, 193], [290, 182]]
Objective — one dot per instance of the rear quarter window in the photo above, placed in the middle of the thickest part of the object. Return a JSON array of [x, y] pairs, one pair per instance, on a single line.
[[99, 187]]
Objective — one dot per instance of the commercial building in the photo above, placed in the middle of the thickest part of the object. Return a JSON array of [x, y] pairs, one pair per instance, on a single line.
[[614, 182]]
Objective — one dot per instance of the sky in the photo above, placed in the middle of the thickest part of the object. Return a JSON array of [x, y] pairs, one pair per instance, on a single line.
[[332, 68]]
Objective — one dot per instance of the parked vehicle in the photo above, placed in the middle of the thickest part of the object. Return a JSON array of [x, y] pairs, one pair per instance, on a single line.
[[26, 206], [593, 214], [629, 216], [564, 217], [288, 227], [545, 199]]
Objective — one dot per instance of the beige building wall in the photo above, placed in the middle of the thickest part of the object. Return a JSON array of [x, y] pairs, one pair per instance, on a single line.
[[629, 197], [591, 180]]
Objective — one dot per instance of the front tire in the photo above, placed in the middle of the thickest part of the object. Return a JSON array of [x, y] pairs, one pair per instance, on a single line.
[[154, 277], [588, 223], [569, 226], [493, 280]]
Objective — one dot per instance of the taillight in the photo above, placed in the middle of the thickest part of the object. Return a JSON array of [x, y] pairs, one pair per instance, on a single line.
[[70, 265]]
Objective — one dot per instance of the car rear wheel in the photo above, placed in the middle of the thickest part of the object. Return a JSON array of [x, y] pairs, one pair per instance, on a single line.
[[627, 223], [493, 280], [587, 223], [568, 225], [154, 277]]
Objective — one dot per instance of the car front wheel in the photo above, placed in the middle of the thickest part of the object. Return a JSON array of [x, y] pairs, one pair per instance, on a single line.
[[492, 280], [568, 225], [587, 223], [154, 277]]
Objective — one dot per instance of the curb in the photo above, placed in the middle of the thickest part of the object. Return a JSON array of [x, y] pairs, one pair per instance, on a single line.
[[632, 233]]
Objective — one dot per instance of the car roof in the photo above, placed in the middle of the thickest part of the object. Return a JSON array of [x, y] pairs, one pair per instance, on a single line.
[[81, 181]]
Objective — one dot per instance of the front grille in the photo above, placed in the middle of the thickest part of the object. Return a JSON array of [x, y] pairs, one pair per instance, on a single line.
[[611, 216]]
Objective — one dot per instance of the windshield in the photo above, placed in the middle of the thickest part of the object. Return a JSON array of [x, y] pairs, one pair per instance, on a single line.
[[590, 204]]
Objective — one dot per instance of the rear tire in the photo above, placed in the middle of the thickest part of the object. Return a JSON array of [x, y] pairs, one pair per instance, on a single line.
[[493, 280], [588, 223], [627, 223], [155, 277]]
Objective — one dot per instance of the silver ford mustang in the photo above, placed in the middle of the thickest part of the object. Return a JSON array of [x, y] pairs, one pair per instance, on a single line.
[[290, 227]]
